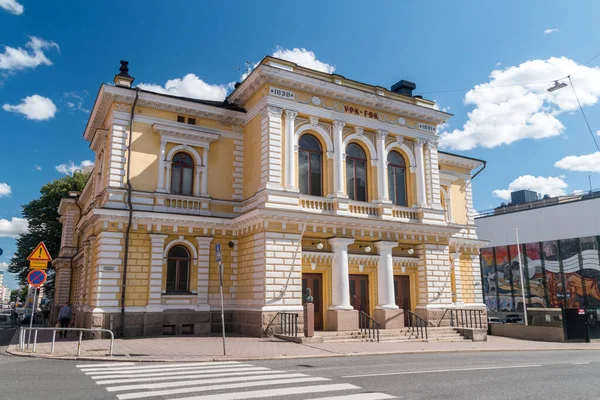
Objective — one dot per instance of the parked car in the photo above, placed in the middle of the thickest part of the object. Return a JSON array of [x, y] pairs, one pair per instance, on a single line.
[[493, 320], [513, 320]]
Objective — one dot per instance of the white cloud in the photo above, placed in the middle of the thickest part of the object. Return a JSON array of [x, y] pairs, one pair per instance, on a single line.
[[552, 185], [70, 168], [34, 107], [75, 101], [194, 87], [3, 264], [508, 110], [16, 59], [550, 31], [5, 190], [585, 163], [189, 86], [38, 167], [304, 58], [13, 227], [12, 6]]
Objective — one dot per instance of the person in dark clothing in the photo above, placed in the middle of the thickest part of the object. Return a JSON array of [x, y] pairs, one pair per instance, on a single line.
[[64, 317], [46, 316]]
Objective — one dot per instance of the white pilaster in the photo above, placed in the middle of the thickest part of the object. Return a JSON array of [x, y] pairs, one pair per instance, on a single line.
[[117, 155], [433, 176], [382, 182], [204, 178], [168, 168], [197, 172], [340, 280], [385, 276], [156, 272], [290, 143], [203, 268], [270, 173], [338, 167], [421, 192], [455, 260], [161, 167]]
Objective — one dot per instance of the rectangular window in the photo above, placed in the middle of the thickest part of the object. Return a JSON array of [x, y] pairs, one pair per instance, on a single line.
[[303, 171], [188, 179], [400, 187], [315, 174], [192, 121], [361, 173], [181, 118]]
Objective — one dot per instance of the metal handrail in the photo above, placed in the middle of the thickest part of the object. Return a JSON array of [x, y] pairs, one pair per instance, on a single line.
[[288, 324], [368, 326], [417, 325], [466, 318], [81, 330]]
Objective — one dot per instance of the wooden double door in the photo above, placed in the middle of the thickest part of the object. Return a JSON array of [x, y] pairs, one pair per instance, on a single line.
[[402, 293]]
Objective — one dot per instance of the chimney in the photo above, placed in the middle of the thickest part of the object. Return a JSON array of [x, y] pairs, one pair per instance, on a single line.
[[404, 87], [122, 78]]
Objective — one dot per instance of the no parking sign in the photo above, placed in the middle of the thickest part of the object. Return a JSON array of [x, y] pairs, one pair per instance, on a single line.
[[36, 278]]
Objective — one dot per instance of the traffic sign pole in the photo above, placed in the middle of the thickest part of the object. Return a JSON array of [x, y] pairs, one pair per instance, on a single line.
[[219, 259], [35, 289]]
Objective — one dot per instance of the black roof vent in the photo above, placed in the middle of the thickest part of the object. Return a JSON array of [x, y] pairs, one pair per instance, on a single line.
[[123, 78], [404, 87]]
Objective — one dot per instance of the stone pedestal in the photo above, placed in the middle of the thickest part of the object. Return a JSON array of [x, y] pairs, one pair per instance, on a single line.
[[309, 320], [342, 320], [389, 319]]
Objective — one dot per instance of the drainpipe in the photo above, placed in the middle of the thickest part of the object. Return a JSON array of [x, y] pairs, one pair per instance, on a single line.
[[130, 209]]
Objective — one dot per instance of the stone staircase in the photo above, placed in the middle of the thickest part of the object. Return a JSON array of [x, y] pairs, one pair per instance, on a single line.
[[441, 334]]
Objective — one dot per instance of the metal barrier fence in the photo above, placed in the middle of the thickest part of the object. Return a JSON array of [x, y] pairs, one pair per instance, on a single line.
[[417, 325], [465, 318], [23, 345], [288, 323]]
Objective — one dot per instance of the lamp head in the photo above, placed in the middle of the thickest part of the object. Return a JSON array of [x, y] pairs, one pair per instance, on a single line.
[[411, 251], [557, 86], [368, 249], [320, 246]]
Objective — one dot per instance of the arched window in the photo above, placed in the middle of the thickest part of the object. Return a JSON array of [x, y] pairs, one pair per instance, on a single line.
[[310, 165], [397, 178], [182, 174], [178, 269], [356, 172]]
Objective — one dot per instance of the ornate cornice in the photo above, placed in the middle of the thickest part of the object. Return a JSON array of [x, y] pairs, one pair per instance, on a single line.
[[289, 78], [458, 161]]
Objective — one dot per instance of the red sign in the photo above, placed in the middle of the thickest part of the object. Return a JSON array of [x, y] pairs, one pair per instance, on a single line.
[[36, 278], [362, 112], [581, 311]]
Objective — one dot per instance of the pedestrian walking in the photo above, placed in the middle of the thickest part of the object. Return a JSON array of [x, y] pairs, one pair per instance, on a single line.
[[45, 316], [64, 317], [13, 317]]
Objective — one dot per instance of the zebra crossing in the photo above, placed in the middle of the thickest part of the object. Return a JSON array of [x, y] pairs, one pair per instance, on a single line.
[[226, 380]]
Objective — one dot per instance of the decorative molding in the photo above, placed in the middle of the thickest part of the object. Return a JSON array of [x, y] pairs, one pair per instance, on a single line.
[[314, 121], [320, 131], [185, 135], [99, 139], [188, 149], [458, 161]]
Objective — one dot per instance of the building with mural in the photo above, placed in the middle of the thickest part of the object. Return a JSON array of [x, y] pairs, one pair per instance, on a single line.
[[305, 180], [560, 243]]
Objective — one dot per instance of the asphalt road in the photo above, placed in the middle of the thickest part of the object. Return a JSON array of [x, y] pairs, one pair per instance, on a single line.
[[509, 375]]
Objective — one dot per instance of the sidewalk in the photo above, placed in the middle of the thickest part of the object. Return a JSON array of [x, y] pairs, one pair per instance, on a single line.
[[244, 348]]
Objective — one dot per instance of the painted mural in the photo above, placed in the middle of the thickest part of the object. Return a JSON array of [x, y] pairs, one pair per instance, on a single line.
[[556, 274]]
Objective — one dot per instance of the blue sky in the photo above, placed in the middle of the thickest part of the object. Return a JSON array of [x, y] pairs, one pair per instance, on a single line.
[[55, 54]]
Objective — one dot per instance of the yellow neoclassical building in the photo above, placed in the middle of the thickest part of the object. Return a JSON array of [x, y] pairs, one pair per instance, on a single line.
[[305, 179]]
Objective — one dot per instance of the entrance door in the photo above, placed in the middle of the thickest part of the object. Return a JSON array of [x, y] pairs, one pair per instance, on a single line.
[[402, 294], [315, 283], [359, 292]]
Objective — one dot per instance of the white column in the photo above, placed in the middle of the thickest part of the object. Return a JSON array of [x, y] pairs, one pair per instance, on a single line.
[[338, 167], [168, 173], [161, 167], [421, 193], [197, 170], [455, 260], [290, 143], [433, 175], [156, 271], [382, 183], [385, 276], [204, 176], [340, 280]]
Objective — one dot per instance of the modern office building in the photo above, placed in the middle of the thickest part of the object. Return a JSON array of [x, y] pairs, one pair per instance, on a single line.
[[305, 180], [559, 241]]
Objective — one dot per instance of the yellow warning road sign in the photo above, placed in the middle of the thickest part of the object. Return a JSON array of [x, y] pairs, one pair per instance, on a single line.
[[40, 253]]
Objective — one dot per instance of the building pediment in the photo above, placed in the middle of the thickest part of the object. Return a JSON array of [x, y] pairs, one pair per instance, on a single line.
[[192, 135]]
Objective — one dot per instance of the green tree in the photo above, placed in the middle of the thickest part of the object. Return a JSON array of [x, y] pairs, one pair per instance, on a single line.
[[14, 294], [42, 217]]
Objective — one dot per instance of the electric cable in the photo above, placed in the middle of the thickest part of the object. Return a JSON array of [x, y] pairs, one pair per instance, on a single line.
[[583, 113]]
